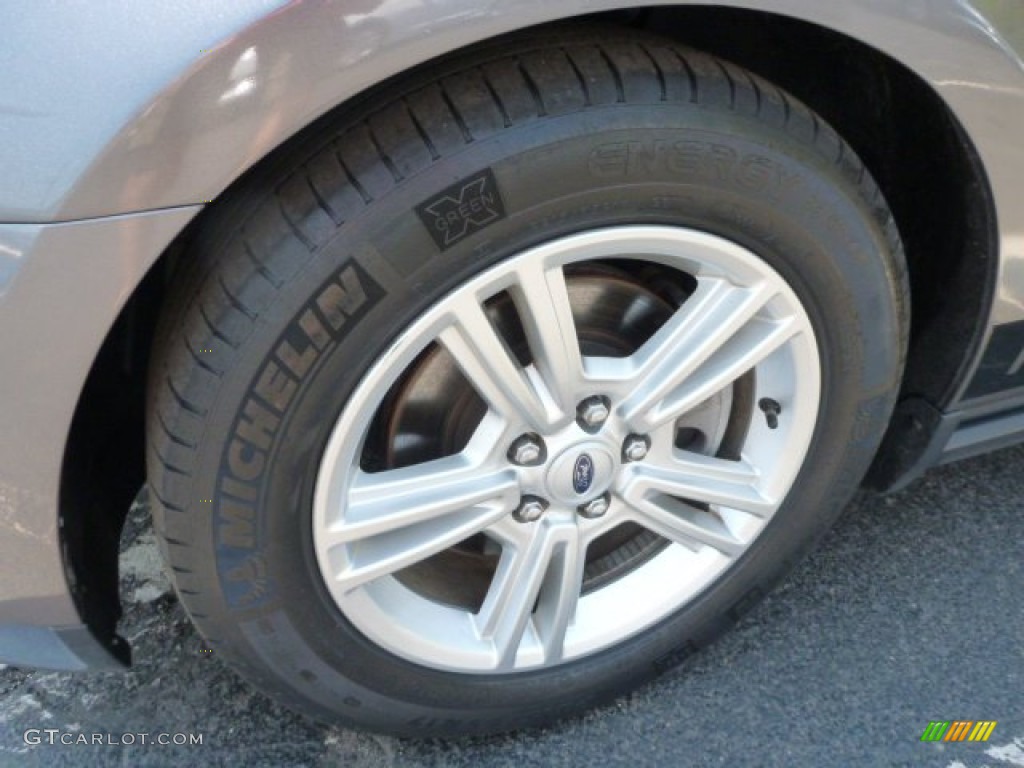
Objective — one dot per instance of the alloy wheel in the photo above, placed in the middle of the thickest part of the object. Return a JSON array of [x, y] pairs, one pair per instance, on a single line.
[[622, 411]]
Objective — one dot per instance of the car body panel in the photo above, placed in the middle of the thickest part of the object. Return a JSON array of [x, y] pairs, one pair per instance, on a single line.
[[79, 84], [61, 288], [115, 131]]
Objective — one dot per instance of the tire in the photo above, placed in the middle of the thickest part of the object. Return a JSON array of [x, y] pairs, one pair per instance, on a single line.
[[368, 300]]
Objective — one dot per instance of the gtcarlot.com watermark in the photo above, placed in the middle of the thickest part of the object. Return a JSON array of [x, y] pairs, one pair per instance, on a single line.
[[36, 736]]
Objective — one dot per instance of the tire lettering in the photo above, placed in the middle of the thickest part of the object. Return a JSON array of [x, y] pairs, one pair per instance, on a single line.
[[257, 425], [686, 158], [337, 301], [467, 206], [348, 294], [314, 330], [691, 159], [245, 460], [233, 487], [722, 161], [754, 172], [236, 528], [298, 363], [609, 161], [276, 387]]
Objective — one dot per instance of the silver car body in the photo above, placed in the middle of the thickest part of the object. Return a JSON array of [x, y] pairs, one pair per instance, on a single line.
[[118, 125]]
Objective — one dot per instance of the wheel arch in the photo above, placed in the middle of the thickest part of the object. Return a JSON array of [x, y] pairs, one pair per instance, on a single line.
[[231, 104]]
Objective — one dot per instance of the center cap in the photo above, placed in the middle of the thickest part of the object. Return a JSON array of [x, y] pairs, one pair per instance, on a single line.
[[581, 473]]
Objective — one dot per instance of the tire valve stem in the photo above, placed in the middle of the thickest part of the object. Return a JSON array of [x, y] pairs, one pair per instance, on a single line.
[[771, 410]]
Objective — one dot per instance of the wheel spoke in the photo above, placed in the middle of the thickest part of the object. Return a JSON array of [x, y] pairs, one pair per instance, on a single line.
[[683, 523], [489, 365], [380, 502], [665, 498], [542, 299], [544, 569], [662, 496], [707, 479], [712, 340], [559, 595], [399, 517]]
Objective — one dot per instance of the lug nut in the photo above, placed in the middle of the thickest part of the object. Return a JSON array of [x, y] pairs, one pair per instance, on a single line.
[[593, 412], [595, 507], [635, 447], [530, 509], [527, 450]]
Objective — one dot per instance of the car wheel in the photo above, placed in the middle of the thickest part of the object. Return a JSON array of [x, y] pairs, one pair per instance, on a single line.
[[492, 396]]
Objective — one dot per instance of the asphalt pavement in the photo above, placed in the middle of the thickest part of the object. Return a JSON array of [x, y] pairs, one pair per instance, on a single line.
[[910, 611]]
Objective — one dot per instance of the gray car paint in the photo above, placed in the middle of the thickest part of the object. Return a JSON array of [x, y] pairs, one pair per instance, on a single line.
[[156, 107], [56, 306]]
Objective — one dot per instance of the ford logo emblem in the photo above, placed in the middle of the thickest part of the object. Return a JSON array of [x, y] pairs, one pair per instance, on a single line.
[[583, 473]]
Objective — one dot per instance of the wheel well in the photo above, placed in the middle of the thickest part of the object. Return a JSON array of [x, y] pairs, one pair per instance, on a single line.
[[104, 459], [925, 165], [907, 137], [919, 155]]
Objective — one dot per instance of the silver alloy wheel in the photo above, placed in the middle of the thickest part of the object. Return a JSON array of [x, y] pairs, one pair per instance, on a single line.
[[369, 526]]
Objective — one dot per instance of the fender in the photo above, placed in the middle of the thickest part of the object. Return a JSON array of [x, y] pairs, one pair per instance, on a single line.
[[206, 93]]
